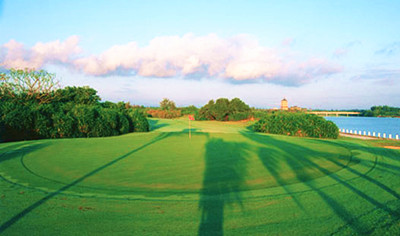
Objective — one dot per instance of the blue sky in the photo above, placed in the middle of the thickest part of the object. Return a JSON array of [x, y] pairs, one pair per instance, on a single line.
[[317, 54]]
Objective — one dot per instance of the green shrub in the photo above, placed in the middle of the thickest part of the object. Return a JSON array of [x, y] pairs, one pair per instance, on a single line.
[[239, 116], [43, 124], [107, 123], [31, 107], [238, 106], [190, 110], [258, 113], [77, 95], [86, 116], [165, 114], [223, 109], [124, 125], [64, 125], [297, 124], [76, 112], [139, 121], [19, 121], [207, 112]]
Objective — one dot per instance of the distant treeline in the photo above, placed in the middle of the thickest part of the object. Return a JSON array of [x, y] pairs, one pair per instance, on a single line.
[[385, 111], [31, 108], [222, 109], [168, 110], [375, 111], [296, 124]]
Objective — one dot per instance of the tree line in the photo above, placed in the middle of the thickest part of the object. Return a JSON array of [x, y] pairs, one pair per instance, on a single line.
[[169, 110], [33, 106], [382, 111]]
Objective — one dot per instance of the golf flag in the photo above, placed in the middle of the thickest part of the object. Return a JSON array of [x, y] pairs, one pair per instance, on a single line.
[[191, 117]]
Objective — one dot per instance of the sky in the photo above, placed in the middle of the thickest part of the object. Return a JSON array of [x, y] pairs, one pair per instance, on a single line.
[[342, 54]]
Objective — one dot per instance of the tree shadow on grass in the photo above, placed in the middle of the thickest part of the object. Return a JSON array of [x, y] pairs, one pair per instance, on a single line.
[[376, 151], [192, 130], [18, 149], [293, 155], [155, 124], [225, 168], [384, 152], [272, 164], [27, 210], [339, 209], [298, 156]]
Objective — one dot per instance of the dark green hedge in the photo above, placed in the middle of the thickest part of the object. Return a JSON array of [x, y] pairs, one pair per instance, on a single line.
[[297, 124], [70, 114]]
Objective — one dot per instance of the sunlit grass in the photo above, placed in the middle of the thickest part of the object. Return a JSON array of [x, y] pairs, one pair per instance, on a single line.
[[225, 179]]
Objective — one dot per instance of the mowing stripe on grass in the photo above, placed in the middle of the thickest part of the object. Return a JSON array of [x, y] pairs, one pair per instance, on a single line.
[[17, 217]]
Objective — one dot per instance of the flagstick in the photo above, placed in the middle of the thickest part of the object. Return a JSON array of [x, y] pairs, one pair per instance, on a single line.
[[190, 134]]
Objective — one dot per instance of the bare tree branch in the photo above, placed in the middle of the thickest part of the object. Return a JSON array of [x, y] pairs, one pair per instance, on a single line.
[[28, 83]]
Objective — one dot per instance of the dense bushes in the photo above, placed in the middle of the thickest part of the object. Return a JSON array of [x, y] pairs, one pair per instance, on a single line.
[[297, 124], [139, 121], [223, 110], [170, 113], [260, 113], [189, 110], [384, 111], [167, 110], [166, 114], [71, 112]]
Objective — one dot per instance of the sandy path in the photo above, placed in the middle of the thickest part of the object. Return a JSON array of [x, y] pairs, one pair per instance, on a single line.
[[356, 136], [392, 147]]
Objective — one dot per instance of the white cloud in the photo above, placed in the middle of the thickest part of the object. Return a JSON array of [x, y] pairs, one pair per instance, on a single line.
[[119, 56], [239, 58], [56, 50], [15, 55]]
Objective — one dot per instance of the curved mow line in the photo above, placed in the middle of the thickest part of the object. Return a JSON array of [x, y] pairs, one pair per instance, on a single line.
[[323, 176], [133, 197], [94, 188], [33, 173], [49, 179], [323, 187], [374, 153], [180, 193]]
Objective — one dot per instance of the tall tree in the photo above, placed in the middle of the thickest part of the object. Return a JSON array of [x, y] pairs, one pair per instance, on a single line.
[[28, 84], [78, 95], [167, 104], [222, 109]]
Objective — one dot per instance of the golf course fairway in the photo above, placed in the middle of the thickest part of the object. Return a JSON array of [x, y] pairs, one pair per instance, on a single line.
[[224, 180]]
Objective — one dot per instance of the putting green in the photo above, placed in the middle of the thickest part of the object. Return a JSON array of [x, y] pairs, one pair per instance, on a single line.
[[222, 164]]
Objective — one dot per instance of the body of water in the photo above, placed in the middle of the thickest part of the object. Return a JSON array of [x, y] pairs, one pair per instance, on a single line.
[[369, 124]]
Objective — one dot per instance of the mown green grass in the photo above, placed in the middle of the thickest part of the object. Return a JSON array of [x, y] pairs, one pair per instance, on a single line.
[[224, 180]]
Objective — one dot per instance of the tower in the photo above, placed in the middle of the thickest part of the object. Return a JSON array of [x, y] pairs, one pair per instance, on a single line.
[[284, 105]]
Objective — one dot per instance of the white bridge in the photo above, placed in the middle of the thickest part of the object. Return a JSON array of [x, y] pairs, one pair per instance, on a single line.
[[335, 113]]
